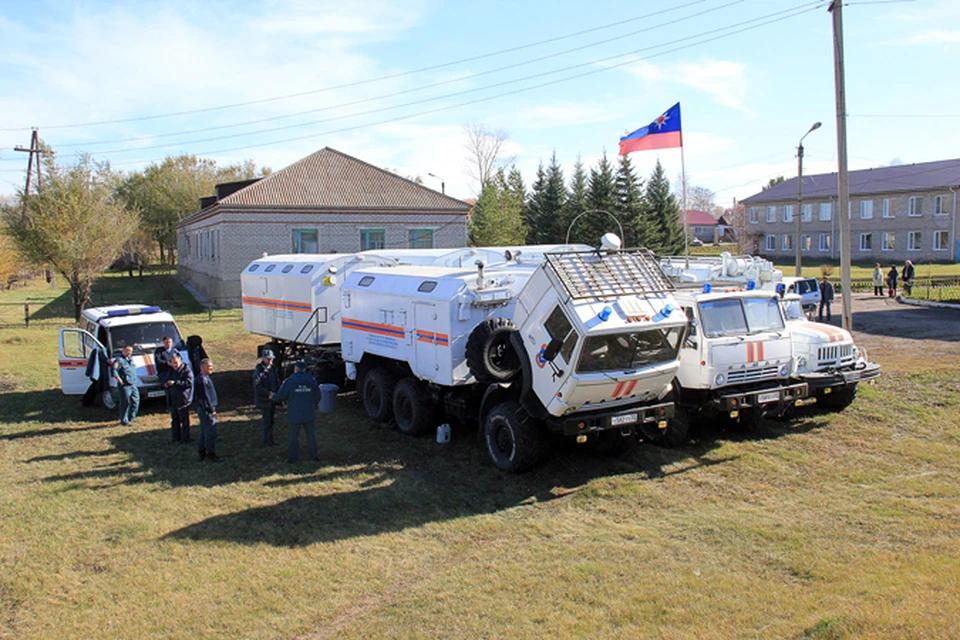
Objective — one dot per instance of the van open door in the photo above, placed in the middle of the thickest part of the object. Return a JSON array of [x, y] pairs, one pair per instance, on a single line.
[[76, 345]]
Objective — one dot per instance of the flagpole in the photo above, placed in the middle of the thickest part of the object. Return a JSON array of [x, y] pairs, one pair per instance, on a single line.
[[683, 181]]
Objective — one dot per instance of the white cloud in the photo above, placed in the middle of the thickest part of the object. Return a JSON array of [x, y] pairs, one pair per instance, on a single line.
[[927, 37], [561, 113], [723, 80]]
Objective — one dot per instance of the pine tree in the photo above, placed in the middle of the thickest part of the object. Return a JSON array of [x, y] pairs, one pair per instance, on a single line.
[[533, 210], [576, 204], [629, 196], [601, 196], [555, 199], [661, 215]]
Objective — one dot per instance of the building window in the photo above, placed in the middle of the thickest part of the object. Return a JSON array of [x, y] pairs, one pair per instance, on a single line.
[[806, 242], [938, 206], [786, 242], [753, 216], [826, 210], [941, 240], [788, 213], [887, 208], [914, 240], [915, 206], [806, 213], [306, 241], [866, 242], [421, 238], [771, 243], [866, 209], [372, 239], [825, 240], [889, 241], [771, 214]]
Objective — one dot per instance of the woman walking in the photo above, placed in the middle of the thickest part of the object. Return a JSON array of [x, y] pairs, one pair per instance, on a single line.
[[878, 280], [892, 281]]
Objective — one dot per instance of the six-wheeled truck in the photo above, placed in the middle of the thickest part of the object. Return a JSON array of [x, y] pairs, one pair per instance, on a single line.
[[582, 344]]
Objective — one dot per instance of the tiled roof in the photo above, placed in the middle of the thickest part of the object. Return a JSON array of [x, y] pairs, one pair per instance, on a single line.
[[701, 219], [331, 179], [922, 176]]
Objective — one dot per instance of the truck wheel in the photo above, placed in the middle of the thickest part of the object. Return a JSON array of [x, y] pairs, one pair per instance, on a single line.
[[512, 438], [677, 432], [490, 356], [839, 400], [378, 387], [109, 401], [412, 407]]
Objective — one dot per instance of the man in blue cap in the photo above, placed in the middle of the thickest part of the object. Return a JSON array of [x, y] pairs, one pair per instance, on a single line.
[[266, 380], [302, 394]]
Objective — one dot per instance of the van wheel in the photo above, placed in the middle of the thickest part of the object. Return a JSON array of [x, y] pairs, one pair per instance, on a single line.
[[512, 438], [412, 408], [839, 400], [378, 387], [490, 356], [109, 401]]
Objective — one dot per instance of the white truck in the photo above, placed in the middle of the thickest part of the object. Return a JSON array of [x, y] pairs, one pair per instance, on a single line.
[[102, 334], [579, 343]]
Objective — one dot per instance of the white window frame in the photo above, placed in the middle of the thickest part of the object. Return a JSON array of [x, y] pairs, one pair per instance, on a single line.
[[915, 206], [866, 209], [826, 211], [806, 213], [824, 244], [787, 213], [806, 242], [888, 209], [888, 241], [941, 240], [786, 242], [771, 214], [866, 242], [914, 240], [771, 243], [938, 209], [754, 217]]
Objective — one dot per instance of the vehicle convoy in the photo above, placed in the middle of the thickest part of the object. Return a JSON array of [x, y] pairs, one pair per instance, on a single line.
[[104, 331], [737, 360]]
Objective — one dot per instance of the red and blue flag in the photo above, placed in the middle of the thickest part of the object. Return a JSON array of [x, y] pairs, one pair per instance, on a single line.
[[662, 133]]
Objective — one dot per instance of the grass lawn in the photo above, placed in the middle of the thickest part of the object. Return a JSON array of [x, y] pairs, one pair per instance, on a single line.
[[829, 526]]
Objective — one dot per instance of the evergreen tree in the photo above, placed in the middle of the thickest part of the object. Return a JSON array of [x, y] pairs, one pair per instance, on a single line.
[[601, 196], [629, 196], [661, 215], [576, 204], [533, 215], [543, 213], [497, 218]]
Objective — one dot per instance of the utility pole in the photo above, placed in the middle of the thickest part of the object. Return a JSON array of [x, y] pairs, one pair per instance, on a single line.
[[34, 150], [843, 181]]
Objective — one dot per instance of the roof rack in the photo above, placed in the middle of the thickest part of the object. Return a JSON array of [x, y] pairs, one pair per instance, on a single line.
[[592, 274]]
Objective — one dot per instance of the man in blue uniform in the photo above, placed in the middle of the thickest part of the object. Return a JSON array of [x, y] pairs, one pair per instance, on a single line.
[[206, 397], [302, 394], [266, 381], [162, 357], [180, 384], [125, 373]]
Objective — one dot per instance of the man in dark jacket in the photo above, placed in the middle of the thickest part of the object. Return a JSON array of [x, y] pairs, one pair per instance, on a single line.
[[162, 357], [206, 396], [302, 394], [180, 384], [266, 381], [907, 275], [826, 298], [125, 373]]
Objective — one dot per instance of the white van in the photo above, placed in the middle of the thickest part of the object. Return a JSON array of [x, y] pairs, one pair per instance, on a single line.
[[104, 331]]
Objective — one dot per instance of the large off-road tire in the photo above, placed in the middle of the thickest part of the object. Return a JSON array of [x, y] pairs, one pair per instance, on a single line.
[[490, 356], [512, 437], [109, 400], [413, 409], [839, 400], [378, 386], [677, 432]]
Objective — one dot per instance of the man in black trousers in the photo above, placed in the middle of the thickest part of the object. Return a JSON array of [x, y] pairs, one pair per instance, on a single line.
[[180, 384]]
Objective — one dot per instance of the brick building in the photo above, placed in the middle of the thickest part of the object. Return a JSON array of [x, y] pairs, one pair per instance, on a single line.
[[328, 202], [896, 213]]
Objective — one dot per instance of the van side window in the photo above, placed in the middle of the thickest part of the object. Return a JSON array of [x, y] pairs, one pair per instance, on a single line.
[[270, 267]]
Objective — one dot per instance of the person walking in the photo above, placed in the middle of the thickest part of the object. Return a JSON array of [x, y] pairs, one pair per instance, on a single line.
[[206, 396], [302, 394], [180, 383], [266, 380], [878, 280], [892, 281], [162, 357], [125, 373], [907, 276], [826, 298]]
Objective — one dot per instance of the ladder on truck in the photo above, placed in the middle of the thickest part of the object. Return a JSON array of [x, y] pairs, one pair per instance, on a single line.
[[594, 274]]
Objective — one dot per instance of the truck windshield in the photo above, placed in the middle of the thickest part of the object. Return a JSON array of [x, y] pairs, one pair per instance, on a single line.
[[629, 350], [793, 310], [143, 335], [737, 316]]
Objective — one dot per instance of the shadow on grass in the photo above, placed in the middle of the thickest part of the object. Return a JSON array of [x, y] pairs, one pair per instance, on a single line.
[[51, 406]]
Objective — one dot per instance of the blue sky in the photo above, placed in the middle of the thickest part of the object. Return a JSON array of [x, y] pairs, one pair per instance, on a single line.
[[393, 82]]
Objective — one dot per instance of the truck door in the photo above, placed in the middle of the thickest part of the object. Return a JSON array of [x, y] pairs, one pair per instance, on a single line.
[[76, 345], [425, 339]]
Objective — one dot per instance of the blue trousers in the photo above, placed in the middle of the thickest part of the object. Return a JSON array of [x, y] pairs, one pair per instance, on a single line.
[[293, 444], [129, 403], [207, 440], [823, 303], [266, 423]]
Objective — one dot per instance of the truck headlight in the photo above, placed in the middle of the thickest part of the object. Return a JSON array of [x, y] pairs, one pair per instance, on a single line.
[[720, 379], [801, 364], [784, 371]]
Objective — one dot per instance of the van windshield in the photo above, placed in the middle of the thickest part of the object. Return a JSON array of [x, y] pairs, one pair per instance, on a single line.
[[738, 316], [143, 335], [629, 350]]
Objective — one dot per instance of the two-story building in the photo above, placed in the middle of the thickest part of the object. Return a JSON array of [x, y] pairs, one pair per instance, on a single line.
[[896, 213]]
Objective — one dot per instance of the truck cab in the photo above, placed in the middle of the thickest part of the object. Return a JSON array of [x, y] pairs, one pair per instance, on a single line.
[[85, 352]]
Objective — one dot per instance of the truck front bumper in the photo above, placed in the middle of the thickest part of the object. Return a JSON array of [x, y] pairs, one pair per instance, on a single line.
[[839, 379], [780, 396], [626, 420]]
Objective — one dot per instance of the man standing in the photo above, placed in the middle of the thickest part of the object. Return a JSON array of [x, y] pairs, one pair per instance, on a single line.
[[162, 357], [907, 276], [125, 373], [206, 395], [180, 384], [826, 297], [302, 394], [266, 381]]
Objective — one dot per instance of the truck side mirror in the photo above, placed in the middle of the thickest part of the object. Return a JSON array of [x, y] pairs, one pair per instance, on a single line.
[[550, 353]]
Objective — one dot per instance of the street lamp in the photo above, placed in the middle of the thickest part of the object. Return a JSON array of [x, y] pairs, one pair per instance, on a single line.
[[443, 186], [799, 214]]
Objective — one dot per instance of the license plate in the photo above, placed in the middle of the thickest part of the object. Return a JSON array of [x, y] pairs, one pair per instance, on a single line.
[[629, 418], [156, 394], [764, 398]]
